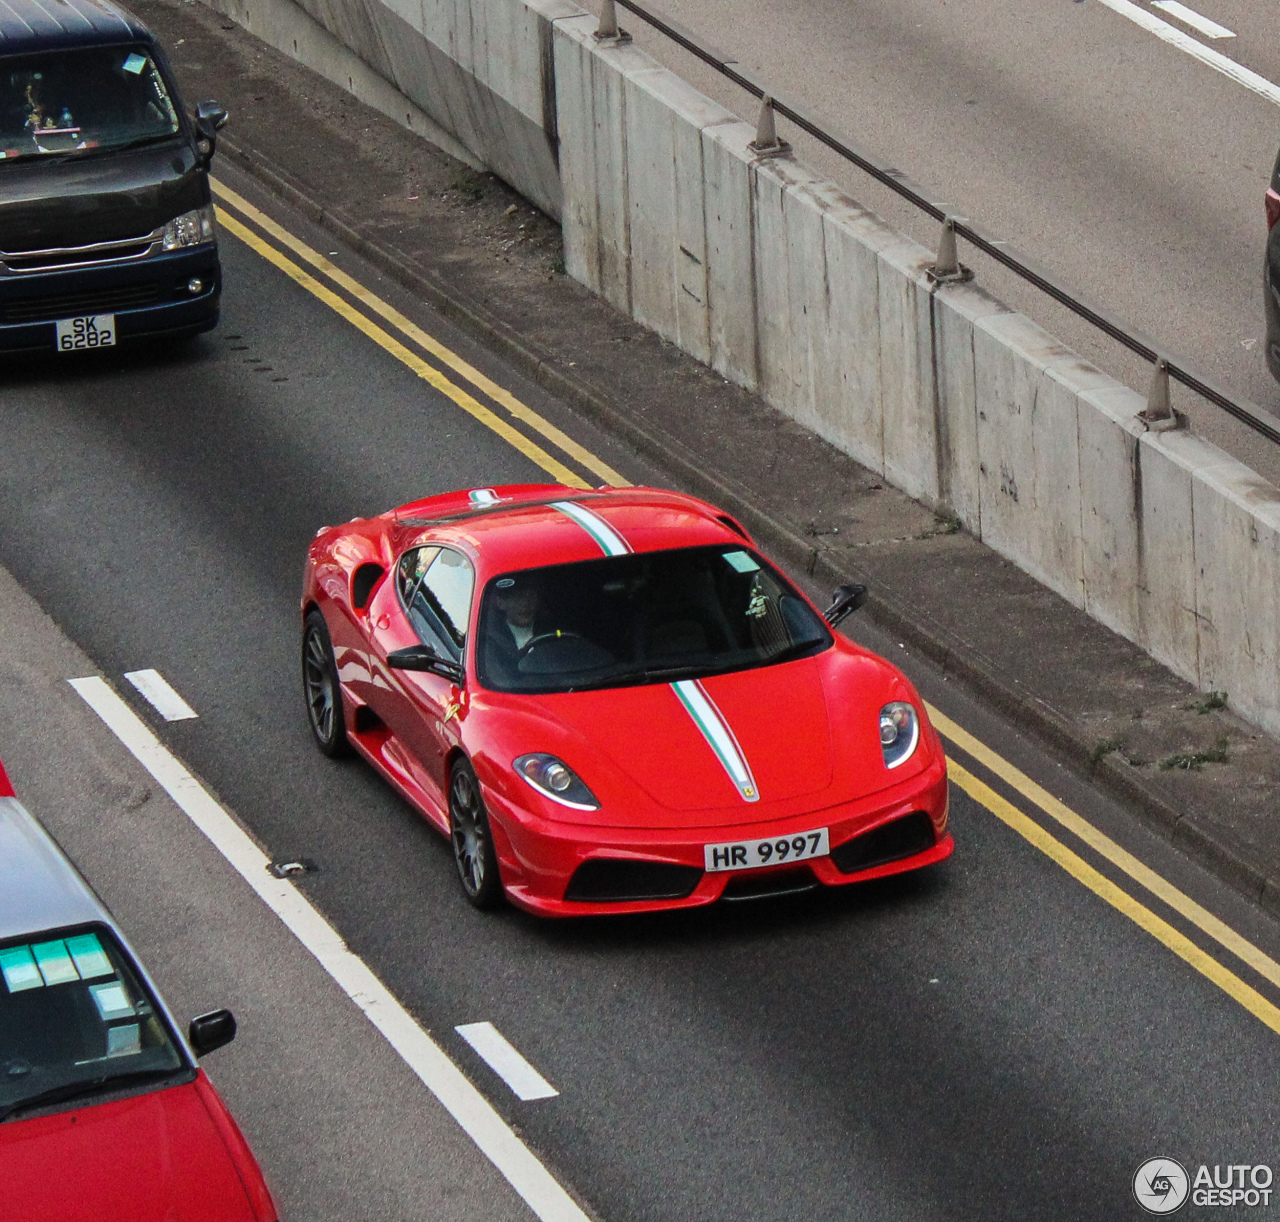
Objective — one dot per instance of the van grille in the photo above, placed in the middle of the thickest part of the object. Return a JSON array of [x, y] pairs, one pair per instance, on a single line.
[[121, 250], [73, 305], [73, 258]]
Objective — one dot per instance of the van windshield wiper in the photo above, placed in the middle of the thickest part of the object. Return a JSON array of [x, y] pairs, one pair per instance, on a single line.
[[86, 1086], [100, 149]]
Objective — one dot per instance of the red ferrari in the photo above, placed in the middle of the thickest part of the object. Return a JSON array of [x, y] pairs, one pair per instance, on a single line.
[[609, 701]]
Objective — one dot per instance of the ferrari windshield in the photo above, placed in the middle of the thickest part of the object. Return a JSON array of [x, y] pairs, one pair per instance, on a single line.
[[75, 1021], [74, 102], [645, 618]]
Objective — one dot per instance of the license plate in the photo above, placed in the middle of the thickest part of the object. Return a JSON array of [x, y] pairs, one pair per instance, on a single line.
[[752, 854], [82, 334]]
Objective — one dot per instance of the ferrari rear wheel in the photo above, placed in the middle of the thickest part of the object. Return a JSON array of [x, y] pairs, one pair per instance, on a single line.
[[473, 850], [320, 687]]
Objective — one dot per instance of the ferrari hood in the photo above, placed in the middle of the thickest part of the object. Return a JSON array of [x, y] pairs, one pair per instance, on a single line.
[[728, 742], [152, 1158]]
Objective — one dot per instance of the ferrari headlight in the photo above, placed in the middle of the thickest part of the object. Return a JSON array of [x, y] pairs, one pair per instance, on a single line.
[[554, 779], [190, 229], [899, 733]]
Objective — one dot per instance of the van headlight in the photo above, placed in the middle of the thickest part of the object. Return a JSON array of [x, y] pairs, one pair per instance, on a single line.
[[899, 733], [190, 229]]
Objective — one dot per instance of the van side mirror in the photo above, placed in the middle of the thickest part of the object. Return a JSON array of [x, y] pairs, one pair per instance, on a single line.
[[845, 601], [211, 1031], [210, 118]]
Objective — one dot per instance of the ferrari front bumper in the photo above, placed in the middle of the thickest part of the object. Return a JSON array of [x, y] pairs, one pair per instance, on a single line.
[[540, 857]]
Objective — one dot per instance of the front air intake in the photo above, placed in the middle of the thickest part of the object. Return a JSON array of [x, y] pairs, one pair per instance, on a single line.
[[890, 841], [605, 880]]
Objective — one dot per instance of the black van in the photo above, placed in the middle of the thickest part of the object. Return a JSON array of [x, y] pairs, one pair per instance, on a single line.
[[106, 221]]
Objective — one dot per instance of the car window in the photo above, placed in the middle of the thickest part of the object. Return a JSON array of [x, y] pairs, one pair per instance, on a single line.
[[436, 585], [77, 101], [644, 618], [74, 1014]]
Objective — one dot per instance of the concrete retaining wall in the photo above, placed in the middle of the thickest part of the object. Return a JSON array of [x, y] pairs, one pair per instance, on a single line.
[[475, 71], [769, 274]]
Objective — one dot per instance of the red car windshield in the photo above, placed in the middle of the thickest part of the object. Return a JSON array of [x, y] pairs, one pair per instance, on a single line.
[[648, 618], [75, 102], [75, 1021]]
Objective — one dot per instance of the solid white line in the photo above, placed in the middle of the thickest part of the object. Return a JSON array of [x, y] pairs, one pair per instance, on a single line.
[[535, 1184], [155, 687], [1206, 55], [1188, 16], [506, 1062]]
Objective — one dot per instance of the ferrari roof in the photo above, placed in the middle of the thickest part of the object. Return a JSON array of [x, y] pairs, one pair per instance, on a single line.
[[51, 25], [531, 526]]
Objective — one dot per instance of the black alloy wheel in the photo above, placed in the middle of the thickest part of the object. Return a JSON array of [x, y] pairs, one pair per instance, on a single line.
[[320, 687], [473, 850]]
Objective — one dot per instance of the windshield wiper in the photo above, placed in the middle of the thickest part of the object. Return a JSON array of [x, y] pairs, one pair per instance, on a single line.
[[93, 150], [794, 650], [89, 1086], [662, 674]]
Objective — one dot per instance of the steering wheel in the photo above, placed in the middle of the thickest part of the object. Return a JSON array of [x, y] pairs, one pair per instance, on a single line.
[[527, 647]]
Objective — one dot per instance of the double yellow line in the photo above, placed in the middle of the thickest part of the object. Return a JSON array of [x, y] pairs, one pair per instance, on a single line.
[[428, 372], [404, 340]]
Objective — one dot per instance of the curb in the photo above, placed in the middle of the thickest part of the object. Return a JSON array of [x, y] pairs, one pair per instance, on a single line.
[[1223, 859]]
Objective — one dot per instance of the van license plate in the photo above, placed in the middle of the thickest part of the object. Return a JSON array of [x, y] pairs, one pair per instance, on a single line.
[[81, 334]]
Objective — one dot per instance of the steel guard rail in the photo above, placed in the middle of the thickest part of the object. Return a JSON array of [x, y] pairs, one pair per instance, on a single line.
[[1257, 418]]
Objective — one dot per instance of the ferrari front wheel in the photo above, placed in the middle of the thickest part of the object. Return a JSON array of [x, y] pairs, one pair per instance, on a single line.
[[473, 850], [320, 687]]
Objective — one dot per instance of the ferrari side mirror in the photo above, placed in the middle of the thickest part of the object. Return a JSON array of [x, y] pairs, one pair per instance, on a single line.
[[845, 601], [423, 657]]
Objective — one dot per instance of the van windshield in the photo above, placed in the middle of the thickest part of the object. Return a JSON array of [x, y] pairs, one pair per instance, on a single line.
[[81, 101], [76, 1021]]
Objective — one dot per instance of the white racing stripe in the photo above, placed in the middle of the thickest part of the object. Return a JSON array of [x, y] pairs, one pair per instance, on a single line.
[[155, 688], [1188, 16], [506, 1062], [1206, 55], [719, 735], [611, 543], [473, 1112]]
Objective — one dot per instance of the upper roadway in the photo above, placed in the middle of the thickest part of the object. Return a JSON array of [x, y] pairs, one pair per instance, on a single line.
[[1119, 161]]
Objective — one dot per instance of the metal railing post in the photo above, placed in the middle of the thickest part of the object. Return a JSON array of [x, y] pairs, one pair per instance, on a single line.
[[766, 143], [947, 268], [608, 31]]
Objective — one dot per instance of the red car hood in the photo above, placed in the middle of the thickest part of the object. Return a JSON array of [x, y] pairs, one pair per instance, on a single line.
[[153, 1158], [776, 717]]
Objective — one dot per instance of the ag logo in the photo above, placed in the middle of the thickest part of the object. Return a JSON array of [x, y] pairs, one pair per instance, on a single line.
[[1161, 1185]]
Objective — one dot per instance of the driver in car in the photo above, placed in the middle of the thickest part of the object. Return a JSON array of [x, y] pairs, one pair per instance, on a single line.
[[520, 607]]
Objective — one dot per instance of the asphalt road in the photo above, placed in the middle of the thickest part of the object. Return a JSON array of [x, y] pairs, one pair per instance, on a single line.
[[1120, 162], [988, 1040]]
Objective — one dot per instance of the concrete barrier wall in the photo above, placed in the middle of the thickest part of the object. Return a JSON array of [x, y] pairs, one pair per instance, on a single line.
[[476, 71], [784, 285]]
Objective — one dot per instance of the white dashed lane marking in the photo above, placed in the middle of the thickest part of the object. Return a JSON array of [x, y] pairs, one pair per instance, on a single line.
[[155, 688], [1184, 42], [1188, 16], [506, 1062], [473, 1112]]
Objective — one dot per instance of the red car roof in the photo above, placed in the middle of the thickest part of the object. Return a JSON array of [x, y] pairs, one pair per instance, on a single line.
[[519, 526]]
